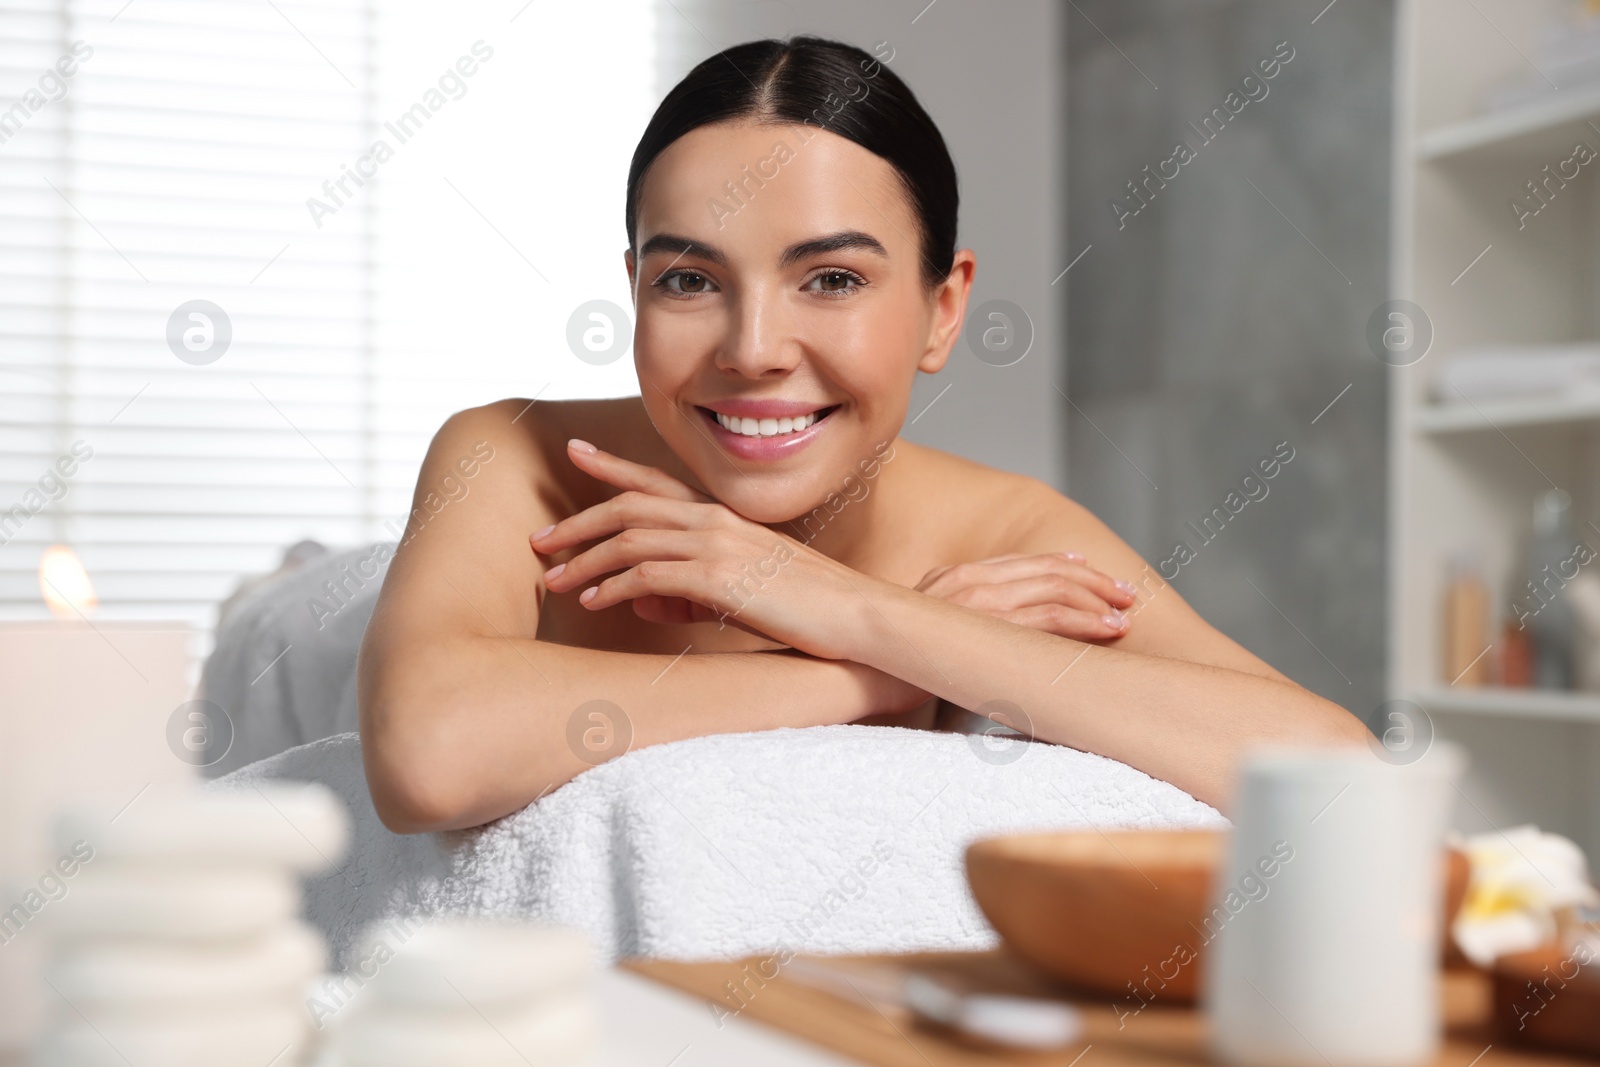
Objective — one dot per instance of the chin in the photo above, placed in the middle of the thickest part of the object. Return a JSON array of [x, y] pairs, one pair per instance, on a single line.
[[770, 506]]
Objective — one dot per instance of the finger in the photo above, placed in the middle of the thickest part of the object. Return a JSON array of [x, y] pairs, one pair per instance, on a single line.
[[671, 610], [631, 508], [1069, 622], [1040, 589], [1070, 557], [668, 578], [933, 575], [1118, 594], [631, 546], [677, 611], [626, 474]]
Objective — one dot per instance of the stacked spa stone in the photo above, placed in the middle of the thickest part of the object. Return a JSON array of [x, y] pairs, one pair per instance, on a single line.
[[181, 944], [463, 991]]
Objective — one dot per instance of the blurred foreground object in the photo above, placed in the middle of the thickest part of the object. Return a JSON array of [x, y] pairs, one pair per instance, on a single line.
[[1128, 913], [471, 991], [1332, 890], [181, 943]]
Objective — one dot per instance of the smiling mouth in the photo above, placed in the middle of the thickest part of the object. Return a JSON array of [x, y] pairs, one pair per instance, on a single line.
[[746, 427]]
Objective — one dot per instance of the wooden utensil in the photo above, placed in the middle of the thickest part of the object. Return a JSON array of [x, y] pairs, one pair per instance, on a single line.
[[1549, 998]]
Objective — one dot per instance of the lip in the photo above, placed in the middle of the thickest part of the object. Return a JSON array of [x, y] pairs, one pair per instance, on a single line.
[[781, 446]]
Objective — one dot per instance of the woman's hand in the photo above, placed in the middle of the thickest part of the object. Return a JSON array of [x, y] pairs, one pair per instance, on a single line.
[[1057, 593], [681, 556]]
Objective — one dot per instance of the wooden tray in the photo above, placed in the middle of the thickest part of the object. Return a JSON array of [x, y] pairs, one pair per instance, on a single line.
[[1166, 1036]]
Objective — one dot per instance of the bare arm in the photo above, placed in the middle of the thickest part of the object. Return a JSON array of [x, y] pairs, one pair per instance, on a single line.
[[465, 714], [1174, 696], [1171, 696]]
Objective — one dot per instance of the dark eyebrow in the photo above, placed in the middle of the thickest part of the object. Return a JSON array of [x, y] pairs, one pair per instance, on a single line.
[[833, 242]]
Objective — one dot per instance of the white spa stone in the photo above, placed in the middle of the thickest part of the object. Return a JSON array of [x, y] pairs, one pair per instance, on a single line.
[[183, 901], [140, 972], [486, 961], [558, 1032], [277, 1033], [302, 825]]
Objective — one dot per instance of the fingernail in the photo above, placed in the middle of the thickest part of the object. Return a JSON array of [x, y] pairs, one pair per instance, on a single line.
[[581, 446], [588, 594], [1126, 586], [1075, 557], [540, 535], [554, 572], [1115, 621]]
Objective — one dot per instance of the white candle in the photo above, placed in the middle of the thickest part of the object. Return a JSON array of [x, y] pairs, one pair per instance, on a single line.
[[84, 712]]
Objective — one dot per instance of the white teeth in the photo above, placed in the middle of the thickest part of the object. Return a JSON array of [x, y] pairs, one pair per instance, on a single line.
[[765, 427]]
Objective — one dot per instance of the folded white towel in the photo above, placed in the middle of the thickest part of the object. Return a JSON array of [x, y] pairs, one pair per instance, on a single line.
[[1504, 371], [833, 839]]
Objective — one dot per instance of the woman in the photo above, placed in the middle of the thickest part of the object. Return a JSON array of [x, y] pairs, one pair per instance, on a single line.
[[749, 545]]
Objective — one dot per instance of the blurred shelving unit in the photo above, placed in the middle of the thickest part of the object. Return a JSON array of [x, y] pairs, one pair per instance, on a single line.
[[1537, 704], [1465, 474]]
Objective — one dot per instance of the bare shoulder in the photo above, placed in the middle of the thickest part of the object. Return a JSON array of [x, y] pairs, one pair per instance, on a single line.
[[492, 475], [534, 435], [1006, 513], [997, 511]]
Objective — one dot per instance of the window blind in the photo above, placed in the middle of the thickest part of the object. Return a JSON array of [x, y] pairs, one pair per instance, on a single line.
[[237, 328]]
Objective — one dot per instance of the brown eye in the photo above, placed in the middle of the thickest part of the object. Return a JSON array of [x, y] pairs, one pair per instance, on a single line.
[[837, 282], [686, 283]]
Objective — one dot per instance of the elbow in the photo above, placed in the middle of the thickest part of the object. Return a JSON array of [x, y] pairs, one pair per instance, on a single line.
[[408, 779], [1337, 726], [405, 796]]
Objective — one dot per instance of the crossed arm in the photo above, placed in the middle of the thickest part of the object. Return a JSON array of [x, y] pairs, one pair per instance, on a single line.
[[465, 713]]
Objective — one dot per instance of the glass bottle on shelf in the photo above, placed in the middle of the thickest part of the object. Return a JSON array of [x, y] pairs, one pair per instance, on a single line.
[[1552, 565], [1466, 623]]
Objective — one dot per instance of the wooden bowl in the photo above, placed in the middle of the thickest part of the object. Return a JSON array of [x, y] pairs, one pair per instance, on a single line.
[[1123, 912], [1096, 908]]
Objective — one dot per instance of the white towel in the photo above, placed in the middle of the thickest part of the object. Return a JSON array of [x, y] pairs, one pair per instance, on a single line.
[[834, 839], [1504, 371], [284, 664]]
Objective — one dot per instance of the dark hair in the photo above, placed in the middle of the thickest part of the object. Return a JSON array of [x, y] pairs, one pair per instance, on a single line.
[[815, 81]]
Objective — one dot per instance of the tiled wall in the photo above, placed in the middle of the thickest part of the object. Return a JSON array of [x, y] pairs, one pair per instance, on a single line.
[[1223, 318]]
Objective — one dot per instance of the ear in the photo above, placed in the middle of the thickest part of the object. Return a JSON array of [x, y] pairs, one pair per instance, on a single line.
[[627, 261], [949, 312]]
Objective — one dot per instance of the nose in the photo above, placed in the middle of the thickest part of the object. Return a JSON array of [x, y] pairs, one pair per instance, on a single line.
[[760, 341]]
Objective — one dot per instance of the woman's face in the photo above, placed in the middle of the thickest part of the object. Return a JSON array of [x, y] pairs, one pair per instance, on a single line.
[[779, 330]]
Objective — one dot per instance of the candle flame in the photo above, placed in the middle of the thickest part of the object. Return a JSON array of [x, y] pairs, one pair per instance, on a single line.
[[65, 584]]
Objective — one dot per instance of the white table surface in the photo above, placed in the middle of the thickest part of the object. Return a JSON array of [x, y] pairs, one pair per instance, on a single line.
[[646, 1024]]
